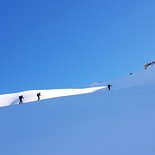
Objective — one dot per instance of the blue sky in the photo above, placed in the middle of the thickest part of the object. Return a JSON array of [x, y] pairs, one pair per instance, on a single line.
[[63, 44]]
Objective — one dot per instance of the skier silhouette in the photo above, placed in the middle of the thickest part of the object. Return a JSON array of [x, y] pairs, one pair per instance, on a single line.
[[109, 86], [38, 95], [21, 99]]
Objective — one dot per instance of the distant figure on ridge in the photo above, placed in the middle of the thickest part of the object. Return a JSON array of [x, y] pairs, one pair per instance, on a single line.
[[147, 65], [38, 95], [109, 86], [21, 99]]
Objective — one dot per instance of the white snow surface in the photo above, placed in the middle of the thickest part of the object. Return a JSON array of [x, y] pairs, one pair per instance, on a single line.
[[101, 122], [137, 79], [31, 95]]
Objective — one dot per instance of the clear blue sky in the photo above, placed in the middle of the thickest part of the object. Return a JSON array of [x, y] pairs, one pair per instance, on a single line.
[[66, 43]]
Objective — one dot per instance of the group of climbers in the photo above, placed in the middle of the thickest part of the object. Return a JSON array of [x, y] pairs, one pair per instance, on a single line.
[[21, 97]]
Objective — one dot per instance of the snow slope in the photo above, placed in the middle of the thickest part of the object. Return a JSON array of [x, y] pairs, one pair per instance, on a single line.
[[120, 121], [31, 95]]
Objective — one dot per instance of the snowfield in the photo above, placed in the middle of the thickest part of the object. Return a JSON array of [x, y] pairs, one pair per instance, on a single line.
[[91, 121], [31, 96]]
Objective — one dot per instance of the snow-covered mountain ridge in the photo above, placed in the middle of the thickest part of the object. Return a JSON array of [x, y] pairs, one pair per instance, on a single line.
[[120, 121], [31, 95], [137, 79]]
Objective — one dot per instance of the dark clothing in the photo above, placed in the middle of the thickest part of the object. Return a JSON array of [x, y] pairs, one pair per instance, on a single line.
[[109, 86], [21, 99], [38, 95]]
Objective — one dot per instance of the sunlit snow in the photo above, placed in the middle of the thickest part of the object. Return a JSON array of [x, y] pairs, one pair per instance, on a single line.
[[92, 121], [31, 95]]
